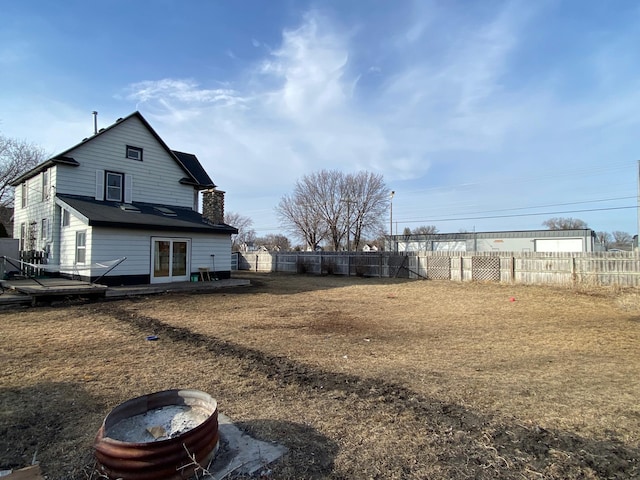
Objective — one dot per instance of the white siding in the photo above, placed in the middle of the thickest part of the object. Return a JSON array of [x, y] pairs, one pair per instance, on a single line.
[[155, 178], [204, 246], [68, 246], [37, 209], [136, 246]]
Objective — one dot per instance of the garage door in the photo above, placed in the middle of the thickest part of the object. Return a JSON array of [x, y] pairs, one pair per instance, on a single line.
[[559, 245]]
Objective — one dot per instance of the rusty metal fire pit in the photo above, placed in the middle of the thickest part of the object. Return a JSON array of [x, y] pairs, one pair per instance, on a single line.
[[156, 436]]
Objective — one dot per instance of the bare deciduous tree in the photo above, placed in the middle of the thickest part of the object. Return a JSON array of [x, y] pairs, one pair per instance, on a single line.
[[275, 242], [425, 230], [16, 157], [370, 199], [329, 205], [622, 240], [245, 233], [302, 220], [604, 238], [564, 223]]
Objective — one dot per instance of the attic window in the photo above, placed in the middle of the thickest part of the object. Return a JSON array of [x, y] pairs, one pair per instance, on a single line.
[[127, 207], [166, 211], [134, 153]]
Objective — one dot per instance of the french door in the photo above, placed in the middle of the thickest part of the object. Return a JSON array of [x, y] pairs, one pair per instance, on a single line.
[[170, 259]]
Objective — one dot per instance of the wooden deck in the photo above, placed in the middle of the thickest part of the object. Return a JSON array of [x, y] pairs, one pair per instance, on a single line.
[[53, 287], [29, 291]]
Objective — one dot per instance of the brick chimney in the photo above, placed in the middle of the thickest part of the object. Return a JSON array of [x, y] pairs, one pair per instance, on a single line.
[[213, 206]]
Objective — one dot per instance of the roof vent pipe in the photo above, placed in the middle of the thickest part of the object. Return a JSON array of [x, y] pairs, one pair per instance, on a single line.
[[95, 122]]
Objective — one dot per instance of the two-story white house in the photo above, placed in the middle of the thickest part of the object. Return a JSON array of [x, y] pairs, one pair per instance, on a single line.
[[123, 193]]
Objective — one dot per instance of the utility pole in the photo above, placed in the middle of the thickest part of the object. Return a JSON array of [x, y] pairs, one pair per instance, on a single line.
[[348, 201], [393, 192]]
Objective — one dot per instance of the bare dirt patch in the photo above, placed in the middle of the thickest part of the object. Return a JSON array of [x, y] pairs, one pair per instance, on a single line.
[[359, 378]]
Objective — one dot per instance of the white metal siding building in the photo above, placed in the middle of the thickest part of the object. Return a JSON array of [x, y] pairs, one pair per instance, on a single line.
[[580, 240]]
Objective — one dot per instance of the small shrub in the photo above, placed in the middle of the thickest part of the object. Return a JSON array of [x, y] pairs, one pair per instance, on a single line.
[[302, 266], [329, 267], [362, 266]]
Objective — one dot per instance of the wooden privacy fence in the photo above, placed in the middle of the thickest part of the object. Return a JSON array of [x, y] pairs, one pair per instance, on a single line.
[[594, 268]]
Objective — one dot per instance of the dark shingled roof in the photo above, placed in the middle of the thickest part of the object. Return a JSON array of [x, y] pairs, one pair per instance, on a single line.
[[191, 163], [141, 216]]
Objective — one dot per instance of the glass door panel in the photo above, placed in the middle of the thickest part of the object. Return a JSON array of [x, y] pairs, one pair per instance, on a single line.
[[179, 266], [161, 255], [170, 260]]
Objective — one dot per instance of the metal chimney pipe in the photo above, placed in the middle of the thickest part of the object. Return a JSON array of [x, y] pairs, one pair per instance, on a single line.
[[95, 122]]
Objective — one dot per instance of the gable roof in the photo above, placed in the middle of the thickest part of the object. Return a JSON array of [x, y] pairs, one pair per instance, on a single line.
[[192, 164], [189, 163], [141, 215]]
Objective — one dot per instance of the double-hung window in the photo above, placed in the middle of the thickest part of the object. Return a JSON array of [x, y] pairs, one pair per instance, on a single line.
[[81, 247], [114, 186], [44, 229], [23, 235], [45, 185]]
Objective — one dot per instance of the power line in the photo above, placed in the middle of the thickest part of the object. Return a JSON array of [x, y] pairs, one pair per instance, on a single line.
[[530, 179], [518, 215], [549, 205]]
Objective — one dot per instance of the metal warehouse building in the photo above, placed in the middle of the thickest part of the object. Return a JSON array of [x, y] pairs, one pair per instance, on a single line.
[[581, 240]]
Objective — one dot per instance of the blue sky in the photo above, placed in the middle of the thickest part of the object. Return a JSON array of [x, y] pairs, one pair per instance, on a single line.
[[486, 115]]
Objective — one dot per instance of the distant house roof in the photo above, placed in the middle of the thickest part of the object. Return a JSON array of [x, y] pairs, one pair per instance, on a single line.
[[140, 215], [189, 163]]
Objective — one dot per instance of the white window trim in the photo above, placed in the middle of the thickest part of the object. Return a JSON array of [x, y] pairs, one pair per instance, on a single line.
[[66, 217], [106, 186], [45, 185], [23, 235], [44, 229], [81, 247]]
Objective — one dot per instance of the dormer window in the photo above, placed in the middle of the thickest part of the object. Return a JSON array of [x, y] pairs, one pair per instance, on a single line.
[[134, 153], [114, 186]]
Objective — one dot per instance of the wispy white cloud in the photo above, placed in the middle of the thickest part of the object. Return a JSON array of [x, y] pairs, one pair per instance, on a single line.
[[184, 91], [310, 65]]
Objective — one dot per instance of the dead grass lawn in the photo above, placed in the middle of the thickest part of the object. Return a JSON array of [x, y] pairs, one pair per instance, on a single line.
[[359, 378]]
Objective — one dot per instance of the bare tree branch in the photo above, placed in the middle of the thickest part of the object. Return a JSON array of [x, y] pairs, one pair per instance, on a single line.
[[16, 157], [245, 233], [327, 204], [564, 223]]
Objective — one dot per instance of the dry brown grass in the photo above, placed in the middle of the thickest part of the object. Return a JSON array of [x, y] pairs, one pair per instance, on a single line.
[[360, 378]]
